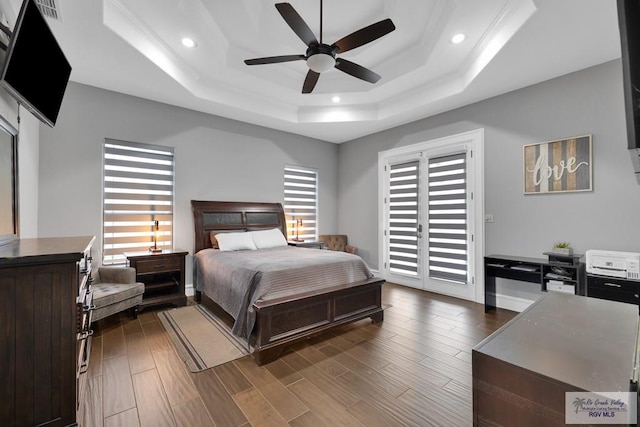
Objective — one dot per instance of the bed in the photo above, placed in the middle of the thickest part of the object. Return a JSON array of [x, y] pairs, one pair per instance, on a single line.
[[280, 318]]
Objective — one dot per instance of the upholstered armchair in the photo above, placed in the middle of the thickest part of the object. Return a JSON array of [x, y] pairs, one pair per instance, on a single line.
[[337, 242], [114, 290]]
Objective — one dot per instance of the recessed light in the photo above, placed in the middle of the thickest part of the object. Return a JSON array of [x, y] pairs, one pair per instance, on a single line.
[[458, 38], [189, 42], [336, 99]]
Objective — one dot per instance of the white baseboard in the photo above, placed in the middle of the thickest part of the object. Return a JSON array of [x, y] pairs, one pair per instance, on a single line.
[[189, 290], [512, 303]]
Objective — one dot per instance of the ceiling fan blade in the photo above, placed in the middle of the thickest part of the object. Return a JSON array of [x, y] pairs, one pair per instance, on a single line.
[[296, 23], [310, 81], [274, 59], [364, 35], [357, 70]]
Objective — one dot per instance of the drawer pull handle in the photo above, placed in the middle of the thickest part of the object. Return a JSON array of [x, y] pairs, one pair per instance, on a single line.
[[88, 308], [85, 334], [613, 285], [83, 297]]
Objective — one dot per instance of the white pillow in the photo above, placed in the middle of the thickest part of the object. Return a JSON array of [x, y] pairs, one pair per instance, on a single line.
[[235, 241], [268, 238]]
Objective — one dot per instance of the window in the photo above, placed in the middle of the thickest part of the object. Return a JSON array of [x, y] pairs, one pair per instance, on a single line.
[[448, 235], [137, 192], [301, 202]]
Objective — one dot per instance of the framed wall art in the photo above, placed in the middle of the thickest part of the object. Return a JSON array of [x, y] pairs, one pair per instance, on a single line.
[[558, 166]]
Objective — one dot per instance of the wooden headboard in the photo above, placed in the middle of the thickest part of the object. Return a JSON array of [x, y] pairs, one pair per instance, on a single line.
[[214, 217]]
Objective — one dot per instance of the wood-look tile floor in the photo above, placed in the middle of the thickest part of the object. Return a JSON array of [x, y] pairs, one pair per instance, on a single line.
[[412, 370]]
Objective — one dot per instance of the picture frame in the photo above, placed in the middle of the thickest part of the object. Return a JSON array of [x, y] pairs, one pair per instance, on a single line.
[[560, 166]]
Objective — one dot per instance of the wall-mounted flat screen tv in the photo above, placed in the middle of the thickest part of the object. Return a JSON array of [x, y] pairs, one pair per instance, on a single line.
[[628, 23], [35, 71]]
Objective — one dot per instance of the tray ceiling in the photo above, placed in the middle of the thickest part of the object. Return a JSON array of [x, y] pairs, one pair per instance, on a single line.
[[134, 47]]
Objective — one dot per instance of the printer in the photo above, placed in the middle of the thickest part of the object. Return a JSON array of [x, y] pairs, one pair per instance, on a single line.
[[625, 265]]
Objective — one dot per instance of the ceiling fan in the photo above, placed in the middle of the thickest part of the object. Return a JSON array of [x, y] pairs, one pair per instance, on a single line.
[[321, 57]]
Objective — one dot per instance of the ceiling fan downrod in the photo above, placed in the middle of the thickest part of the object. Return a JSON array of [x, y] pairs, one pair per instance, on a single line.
[[321, 58], [320, 21]]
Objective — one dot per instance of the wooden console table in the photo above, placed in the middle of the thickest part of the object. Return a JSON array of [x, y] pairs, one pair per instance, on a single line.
[[532, 270], [561, 343]]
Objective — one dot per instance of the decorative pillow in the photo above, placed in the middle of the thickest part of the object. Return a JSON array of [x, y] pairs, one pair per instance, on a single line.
[[268, 238], [235, 241]]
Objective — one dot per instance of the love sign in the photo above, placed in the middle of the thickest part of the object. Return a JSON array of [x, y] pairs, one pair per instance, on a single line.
[[558, 166]]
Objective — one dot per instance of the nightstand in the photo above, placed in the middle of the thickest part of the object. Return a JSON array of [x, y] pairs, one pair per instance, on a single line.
[[308, 244], [162, 274]]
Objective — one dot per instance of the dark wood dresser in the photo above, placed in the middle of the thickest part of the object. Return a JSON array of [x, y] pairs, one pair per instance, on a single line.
[[561, 343], [45, 315]]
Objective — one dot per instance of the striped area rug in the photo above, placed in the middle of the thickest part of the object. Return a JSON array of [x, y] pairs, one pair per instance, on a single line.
[[201, 339]]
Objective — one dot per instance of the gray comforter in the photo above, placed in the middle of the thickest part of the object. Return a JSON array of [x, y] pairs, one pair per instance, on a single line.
[[235, 280]]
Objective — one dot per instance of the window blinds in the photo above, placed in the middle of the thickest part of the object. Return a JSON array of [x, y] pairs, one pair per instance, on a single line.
[[448, 246], [403, 218], [301, 202], [137, 190]]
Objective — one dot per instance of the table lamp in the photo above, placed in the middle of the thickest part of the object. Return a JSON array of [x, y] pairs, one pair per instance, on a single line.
[[155, 249]]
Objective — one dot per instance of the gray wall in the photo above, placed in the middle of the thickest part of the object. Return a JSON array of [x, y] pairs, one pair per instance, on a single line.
[[216, 159], [586, 102], [223, 159]]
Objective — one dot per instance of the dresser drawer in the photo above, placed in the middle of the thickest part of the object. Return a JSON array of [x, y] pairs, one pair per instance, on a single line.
[[613, 289], [159, 265]]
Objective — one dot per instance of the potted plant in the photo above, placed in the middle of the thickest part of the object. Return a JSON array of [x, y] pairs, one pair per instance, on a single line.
[[562, 248]]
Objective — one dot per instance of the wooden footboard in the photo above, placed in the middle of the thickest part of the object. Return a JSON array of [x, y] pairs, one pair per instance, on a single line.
[[285, 320], [282, 321]]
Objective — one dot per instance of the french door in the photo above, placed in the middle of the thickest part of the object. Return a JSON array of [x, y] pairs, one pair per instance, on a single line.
[[430, 210]]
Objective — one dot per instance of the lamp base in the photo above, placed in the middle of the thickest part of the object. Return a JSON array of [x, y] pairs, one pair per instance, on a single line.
[[297, 240], [155, 250]]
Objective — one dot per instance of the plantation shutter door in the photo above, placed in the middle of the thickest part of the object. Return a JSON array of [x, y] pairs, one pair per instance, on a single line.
[[448, 236], [137, 191], [301, 202], [403, 218]]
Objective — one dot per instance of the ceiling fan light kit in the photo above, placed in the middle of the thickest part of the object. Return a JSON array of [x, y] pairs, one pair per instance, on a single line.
[[321, 57], [321, 62]]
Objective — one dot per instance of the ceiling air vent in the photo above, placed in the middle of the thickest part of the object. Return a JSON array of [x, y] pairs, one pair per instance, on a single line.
[[49, 8]]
